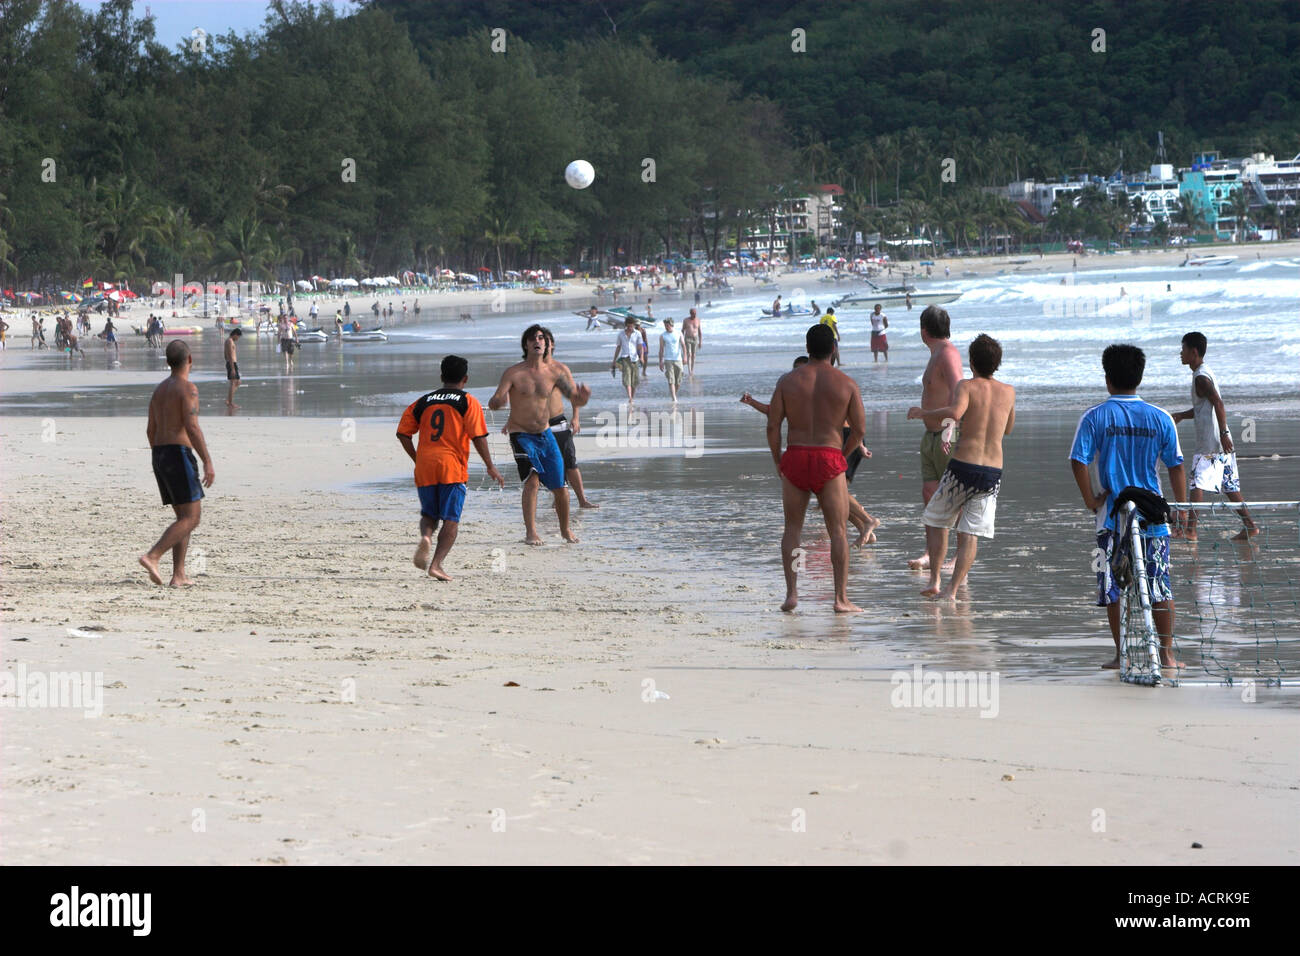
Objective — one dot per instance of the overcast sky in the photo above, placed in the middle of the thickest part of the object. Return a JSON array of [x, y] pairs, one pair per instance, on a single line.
[[174, 19]]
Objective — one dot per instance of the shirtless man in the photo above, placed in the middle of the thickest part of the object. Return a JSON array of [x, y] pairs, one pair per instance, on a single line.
[[938, 390], [232, 367], [174, 436], [858, 516], [693, 338], [816, 399], [564, 430], [967, 495], [526, 387]]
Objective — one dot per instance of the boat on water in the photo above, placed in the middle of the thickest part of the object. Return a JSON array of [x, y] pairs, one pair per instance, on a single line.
[[313, 335], [890, 300], [615, 317], [669, 291], [366, 335], [547, 289], [786, 313], [1210, 261]]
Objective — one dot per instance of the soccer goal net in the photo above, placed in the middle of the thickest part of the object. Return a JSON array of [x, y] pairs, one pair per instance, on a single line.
[[1236, 595]]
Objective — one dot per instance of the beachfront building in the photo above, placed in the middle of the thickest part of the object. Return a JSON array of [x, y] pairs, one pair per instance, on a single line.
[[1273, 183], [1157, 189], [1209, 185], [816, 215]]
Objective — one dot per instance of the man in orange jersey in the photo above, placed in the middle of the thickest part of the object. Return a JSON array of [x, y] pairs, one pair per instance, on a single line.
[[447, 420]]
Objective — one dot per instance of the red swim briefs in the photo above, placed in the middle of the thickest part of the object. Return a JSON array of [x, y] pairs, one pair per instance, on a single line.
[[809, 467]]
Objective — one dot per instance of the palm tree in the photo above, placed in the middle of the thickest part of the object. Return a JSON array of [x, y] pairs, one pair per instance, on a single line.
[[499, 233], [244, 250], [122, 225], [1239, 204], [889, 155], [1191, 216], [6, 247], [869, 164]]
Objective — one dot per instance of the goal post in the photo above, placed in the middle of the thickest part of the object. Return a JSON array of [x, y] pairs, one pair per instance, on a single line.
[[1236, 599]]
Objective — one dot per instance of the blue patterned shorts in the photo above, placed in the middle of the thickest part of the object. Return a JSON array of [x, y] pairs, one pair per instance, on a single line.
[[1156, 551]]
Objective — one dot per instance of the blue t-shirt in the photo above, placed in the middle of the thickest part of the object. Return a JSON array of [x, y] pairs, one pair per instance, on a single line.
[[1127, 438]]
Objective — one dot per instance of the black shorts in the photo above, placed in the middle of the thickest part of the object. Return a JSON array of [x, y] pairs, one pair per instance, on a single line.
[[232, 371], [286, 346], [854, 459], [178, 474], [563, 433]]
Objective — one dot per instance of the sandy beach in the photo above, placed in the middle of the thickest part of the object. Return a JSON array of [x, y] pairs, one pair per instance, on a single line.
[[316, 699], [578, 293]]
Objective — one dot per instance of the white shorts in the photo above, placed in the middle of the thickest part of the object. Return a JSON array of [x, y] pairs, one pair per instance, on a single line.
[[1217, 473], [967, 497]]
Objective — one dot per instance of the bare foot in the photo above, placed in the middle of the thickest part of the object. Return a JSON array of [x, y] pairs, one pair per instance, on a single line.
[[569, 536], [436, 572], [180, 583], [534, 540], [1190, 537], [920, 564], [862, 531], [869, 532], [847, 607], [791, 602], [421, 559], [1112, 664], [931, 592], [151, 567], [1245, 534], [1167, 662], [587, 504]]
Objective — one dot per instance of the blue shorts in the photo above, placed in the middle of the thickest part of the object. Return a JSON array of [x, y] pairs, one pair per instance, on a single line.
[[442, 502], [177, 473], [1156, 554], [541, 454]]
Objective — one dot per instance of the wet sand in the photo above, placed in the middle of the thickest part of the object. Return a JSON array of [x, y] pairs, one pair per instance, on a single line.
[[318, 699]]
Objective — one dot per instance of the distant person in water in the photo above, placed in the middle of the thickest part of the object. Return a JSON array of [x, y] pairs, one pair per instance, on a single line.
[[232, 366], [815, 399]]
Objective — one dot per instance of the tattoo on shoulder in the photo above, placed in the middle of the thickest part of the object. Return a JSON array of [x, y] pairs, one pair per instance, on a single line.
[[565, 384]]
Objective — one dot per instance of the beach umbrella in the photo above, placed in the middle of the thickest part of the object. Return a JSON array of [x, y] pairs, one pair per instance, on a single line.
[[350, 283], [304, 285]]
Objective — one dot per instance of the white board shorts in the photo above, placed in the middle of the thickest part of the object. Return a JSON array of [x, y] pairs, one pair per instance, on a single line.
[[1217, 473], [967, 497]]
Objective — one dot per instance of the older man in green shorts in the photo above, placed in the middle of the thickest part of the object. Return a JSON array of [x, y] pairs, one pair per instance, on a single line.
[[938, 390]]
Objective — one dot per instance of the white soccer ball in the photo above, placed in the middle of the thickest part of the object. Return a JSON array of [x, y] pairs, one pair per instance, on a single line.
[[579, 174]]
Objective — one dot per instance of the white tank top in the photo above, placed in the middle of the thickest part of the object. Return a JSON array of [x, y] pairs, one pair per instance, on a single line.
[[1207, 423]]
